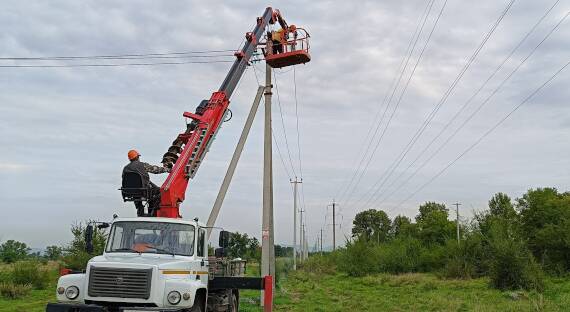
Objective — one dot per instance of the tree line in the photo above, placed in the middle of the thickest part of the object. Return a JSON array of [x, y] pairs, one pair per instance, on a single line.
[[513, 242]]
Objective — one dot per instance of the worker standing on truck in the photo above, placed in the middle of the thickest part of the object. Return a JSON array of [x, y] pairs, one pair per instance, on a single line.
[[143, 169]]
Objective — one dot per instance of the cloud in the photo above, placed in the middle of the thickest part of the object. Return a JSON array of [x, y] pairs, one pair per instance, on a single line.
[[13, 167], [70, 129]]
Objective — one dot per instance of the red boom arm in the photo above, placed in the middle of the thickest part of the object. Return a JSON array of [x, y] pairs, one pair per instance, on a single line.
[[190, 147]]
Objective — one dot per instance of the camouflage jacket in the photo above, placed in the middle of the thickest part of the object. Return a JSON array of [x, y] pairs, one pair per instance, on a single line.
[[153, 168], [143, 169]]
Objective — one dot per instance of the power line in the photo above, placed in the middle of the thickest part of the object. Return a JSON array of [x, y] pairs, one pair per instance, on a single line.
[[280, 156], [508, 77], [115, 65], [298, 135], [486, 133], [283, 125], [386, 175], [297, 119], [362, 173], [465, 105], [342, 189], [406, 86], [120, 56]]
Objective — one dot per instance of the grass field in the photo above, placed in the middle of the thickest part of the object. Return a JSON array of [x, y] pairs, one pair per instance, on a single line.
[[302, 291]]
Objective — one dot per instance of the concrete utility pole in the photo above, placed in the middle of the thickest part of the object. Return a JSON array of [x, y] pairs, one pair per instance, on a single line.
[[321, 241], [457, 219], [301, 233], [267, 248], [305, 244], [295, 222], [334, 223], [233, 163]]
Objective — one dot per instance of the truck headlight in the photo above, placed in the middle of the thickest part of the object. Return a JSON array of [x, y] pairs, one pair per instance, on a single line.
[[173, 297], [72, 292]]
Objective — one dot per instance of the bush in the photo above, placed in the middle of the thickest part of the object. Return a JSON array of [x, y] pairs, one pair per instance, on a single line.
[[399, 256], [513, 266], [358, 259], [14, 291], [30, 273], [467, 259], [282, 268], [76, 260], [319, 264]]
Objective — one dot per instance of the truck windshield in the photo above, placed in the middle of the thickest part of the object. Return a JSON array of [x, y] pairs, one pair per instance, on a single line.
[[152, 237]]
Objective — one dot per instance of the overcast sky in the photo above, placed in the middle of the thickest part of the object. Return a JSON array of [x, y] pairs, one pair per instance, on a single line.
[[65, 132]]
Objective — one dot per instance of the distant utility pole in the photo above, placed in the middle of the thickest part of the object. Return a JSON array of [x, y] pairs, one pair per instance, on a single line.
[[321, 241], [334, 223], [303, 243], [295, 222], [301, 233], [457, 218]]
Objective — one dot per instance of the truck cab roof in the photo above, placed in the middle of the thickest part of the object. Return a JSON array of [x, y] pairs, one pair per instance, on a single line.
[[157, 219]]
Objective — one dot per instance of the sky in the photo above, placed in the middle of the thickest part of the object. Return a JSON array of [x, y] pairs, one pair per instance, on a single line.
[[65, 132]]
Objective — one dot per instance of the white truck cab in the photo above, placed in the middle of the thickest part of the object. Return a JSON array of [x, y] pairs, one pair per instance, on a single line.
[[149, 264]]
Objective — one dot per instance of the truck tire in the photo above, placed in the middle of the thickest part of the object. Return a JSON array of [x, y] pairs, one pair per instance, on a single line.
[[198, 305]]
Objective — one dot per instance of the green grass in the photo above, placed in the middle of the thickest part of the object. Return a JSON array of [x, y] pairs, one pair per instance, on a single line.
[[36, 302], [303, 291], [38, 298], [411, 292]]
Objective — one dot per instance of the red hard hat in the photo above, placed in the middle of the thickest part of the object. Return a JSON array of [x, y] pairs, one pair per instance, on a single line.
[[133, 154]]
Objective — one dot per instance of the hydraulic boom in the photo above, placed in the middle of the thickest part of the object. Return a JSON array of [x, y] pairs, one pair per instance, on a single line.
[[189, 148]]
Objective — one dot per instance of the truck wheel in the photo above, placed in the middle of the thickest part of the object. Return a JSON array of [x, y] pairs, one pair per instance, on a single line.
[[198, 305], [234, 304]]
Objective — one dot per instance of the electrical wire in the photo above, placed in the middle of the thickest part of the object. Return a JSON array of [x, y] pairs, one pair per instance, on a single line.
[[465, 106], [115, 65], [283, 125], [298, 136], [363, 152], [386, 175], [120, 56], [467, 150], [349, 190]]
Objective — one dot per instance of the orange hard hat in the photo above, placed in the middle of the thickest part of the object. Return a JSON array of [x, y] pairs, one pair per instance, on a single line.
[[133, 154]]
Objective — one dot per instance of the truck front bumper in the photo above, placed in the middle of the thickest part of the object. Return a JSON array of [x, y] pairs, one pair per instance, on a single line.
[[68, 307]]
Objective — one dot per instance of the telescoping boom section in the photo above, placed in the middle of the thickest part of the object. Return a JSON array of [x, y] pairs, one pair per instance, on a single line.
[[189, 148]]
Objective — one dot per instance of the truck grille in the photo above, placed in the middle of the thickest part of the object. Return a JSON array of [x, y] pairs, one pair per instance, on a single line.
[[121, 283]]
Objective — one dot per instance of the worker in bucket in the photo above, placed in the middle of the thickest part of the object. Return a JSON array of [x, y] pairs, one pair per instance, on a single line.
[[278, 37], [143, 169]]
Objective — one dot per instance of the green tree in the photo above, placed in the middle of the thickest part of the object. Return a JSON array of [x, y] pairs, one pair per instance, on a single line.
[[402, 226], [433, 224], [53, 252], [371, 224], [12, 251], [253, 249], [238, 245], [501, 214], [75, 256], [500, 205], [545, 223]]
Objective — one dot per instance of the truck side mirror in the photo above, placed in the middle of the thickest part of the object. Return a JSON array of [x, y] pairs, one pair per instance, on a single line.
[[224, 241], [103, 225], [89, 239]]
